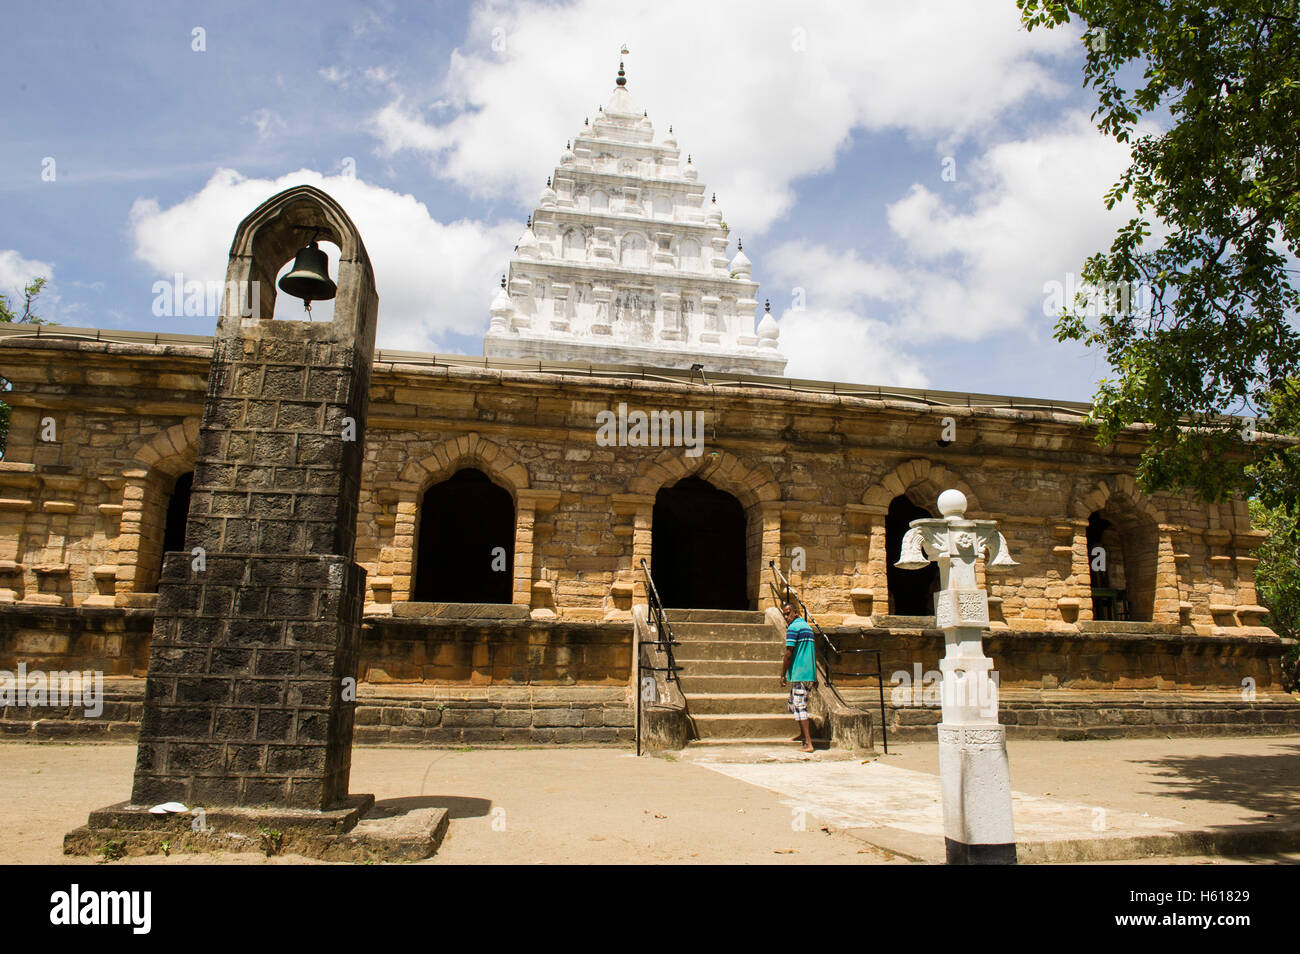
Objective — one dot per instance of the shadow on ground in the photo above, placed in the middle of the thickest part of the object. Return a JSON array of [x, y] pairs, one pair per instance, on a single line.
[[457, 806], [1265, 783]]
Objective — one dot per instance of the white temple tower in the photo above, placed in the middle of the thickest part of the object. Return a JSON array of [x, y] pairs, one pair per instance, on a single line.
[[625, 261]]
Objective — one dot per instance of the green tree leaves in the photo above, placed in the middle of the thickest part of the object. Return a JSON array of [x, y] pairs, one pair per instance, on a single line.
[[1216, 333]]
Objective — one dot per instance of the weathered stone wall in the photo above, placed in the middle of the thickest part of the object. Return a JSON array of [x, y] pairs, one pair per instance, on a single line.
[[484, 653], [811, 470], [112, 640], [1110, 659]]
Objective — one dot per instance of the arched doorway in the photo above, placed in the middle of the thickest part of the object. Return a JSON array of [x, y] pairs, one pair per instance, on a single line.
[[911, 592], [178, 514], [1123, 548], [465, 542], [697, 547]]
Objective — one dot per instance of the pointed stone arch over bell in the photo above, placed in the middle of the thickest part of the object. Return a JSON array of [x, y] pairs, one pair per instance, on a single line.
[[272, 235]]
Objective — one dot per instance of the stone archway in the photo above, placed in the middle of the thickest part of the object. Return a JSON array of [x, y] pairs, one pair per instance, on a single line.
[[156, 465], [919, 482], [464, 542], [469, 451], [1137, 545], [758, 493], [698, 547]]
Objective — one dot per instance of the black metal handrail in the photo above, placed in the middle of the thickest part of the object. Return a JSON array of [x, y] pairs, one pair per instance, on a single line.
[[664, 640], [792, 597]]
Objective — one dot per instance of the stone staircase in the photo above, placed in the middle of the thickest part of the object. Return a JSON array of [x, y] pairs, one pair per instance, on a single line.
[[730, 675]]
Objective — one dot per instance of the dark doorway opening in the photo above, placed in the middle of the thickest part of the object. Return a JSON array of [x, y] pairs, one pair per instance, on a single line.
[[178, 513], [466, 542], [1123, 550], [911, 592], [697, 547], [1098, 567]]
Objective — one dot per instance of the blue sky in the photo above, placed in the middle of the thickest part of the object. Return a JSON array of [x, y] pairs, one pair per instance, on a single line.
[[824, 130]]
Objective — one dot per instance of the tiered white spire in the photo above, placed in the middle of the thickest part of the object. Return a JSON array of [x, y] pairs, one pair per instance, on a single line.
[[624, 261]]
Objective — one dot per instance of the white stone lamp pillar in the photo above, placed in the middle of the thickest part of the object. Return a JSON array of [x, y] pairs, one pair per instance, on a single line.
[[973, 769]]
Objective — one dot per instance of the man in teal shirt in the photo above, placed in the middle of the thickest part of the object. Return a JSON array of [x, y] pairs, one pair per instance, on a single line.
[[799, 669]]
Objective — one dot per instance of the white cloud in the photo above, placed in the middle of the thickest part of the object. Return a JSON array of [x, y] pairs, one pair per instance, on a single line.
[[267, 121], [335, 76], [16, 272], [433, 277], [836, 344], [960, 270], [1037, 214], [825, 329], [760, 94], [379, 74]]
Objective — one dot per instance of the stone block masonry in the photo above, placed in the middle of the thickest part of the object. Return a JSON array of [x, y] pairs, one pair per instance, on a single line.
[[252, 672], [274, 472], [245, 682]]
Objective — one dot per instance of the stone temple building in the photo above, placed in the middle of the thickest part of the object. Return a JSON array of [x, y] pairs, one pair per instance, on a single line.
[[627, 409], [625, 262]]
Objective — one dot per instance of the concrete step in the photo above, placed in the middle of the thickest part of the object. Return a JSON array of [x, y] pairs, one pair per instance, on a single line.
[[727, 683], [742, 631], [781, 741], [729, 649], [729, 667], [676, 616], [735, 703], [742, 726]]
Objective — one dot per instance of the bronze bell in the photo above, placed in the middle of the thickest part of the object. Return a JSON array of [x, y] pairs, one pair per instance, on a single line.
[[309, 279]]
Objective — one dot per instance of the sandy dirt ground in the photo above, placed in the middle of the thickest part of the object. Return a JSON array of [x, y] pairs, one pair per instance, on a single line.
[[508, 806], [550, 805]]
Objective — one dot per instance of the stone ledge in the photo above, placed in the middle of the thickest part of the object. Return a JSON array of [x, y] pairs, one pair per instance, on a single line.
[[1096, 632], [363, 831], [1105, 715], [459, 612]]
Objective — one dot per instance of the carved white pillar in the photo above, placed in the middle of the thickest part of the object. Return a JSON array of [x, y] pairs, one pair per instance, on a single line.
[[973, 770]]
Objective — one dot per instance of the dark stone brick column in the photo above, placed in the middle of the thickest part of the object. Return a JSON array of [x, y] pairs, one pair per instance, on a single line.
[[245, 697]]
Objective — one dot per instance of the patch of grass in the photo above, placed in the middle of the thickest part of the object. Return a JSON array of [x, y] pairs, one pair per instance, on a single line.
[[272, 840], [112, 850], [463, 748]]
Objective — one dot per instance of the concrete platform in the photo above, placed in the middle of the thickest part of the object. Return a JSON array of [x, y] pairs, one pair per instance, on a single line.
[[1071, 802], [359, 831]]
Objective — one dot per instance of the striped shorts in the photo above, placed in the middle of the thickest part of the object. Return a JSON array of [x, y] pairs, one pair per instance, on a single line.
[[798, 701]]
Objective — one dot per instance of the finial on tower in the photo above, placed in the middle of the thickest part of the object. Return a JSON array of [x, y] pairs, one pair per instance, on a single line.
[[503, 281], [715, 198], [622, 76], [767, 306], [530, 222], [584, 120], [740, 246]]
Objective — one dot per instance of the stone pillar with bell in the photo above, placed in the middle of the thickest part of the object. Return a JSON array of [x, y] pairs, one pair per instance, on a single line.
[[973, 769]]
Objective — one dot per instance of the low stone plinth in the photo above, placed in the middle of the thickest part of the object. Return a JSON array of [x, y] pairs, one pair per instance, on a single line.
[[361, 830], [459, 611], [1107, 714]]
